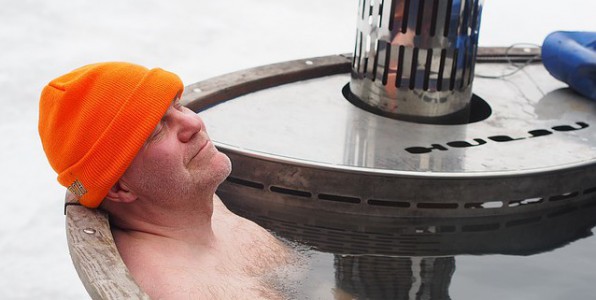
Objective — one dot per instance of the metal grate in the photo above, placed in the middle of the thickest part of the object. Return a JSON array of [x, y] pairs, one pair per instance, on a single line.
[[414, 59]]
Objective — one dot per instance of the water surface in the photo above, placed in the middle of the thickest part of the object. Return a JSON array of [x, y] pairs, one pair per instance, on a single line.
[[546, 254]]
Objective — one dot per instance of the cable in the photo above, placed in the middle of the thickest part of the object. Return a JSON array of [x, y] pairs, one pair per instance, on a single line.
[[508, 57]]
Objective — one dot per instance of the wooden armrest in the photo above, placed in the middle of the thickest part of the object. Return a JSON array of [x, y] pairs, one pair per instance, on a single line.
[[95, 256]]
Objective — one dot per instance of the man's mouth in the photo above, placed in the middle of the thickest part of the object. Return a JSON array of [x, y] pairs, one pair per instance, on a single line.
[[205, 144]]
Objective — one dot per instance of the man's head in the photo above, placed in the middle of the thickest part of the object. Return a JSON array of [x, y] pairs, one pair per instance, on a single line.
[[94, 121], [177, 165]]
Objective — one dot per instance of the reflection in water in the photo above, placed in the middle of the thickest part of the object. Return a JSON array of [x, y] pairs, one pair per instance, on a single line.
[[384, 277], [413, 258]]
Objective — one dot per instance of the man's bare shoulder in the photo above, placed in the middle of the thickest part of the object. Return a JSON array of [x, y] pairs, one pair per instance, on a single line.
[[253, 243]]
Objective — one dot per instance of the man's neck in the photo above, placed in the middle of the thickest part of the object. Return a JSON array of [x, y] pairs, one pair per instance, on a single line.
[[142, 219]]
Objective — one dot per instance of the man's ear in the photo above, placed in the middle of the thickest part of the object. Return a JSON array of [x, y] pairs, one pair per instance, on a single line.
[[121, 193]]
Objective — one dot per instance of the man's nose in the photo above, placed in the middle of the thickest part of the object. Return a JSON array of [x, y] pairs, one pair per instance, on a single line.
[[190, 124]]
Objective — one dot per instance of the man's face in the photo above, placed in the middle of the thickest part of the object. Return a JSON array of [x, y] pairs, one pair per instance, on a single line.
[[178, 161]]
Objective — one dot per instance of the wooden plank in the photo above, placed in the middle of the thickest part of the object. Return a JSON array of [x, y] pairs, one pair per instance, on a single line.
[[95, 256]]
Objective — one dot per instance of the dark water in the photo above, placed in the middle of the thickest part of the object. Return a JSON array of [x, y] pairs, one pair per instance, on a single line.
[[539, 255]]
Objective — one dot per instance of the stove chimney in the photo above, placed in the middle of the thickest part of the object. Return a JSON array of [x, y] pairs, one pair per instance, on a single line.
[[414, 59]]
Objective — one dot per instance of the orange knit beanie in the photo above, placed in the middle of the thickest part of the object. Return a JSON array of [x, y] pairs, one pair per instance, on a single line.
[[94, 120]]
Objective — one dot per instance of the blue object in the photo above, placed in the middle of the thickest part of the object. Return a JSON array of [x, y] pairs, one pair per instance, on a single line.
[[570, 56]]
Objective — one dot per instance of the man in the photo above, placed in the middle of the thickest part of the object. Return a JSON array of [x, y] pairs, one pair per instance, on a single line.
[[119, 140]]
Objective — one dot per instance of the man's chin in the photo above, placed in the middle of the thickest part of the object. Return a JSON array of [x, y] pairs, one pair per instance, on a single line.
[[222, 167], [228, 165]]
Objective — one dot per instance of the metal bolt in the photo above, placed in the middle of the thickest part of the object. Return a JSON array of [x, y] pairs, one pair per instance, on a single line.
[[89, 231], [309, 62], [197, 90]]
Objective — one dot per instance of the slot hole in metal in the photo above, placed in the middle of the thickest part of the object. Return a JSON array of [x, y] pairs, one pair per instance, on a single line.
[[590, 190], [528, 201], [247, 183], [292, 192], [564, 196], [338, 198], [484, 205], [437, 205], [388, 203]]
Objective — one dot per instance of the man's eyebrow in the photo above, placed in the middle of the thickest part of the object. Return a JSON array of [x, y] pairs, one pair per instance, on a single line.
[[178, 96], [176, 100], [159, 127]]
